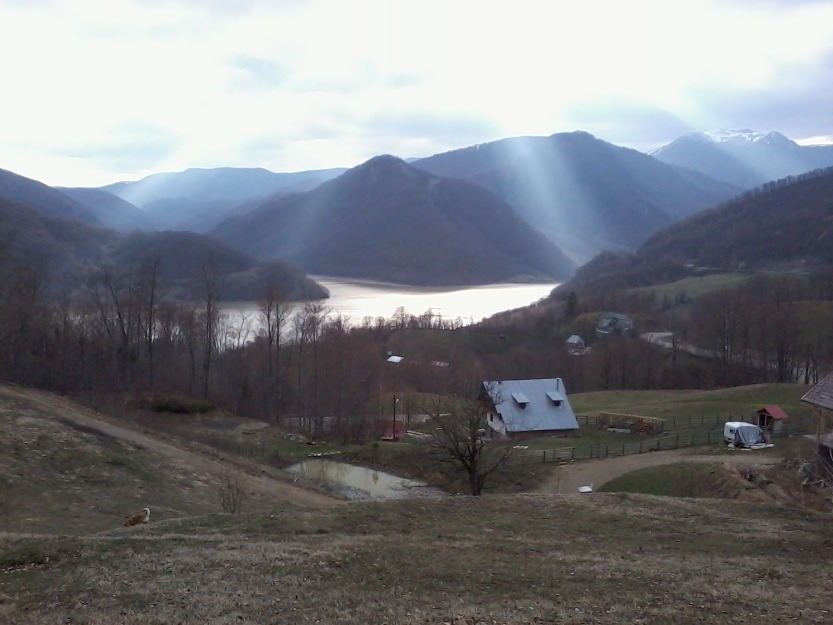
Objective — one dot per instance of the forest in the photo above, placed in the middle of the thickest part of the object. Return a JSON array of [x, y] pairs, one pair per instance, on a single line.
[[122, 336]]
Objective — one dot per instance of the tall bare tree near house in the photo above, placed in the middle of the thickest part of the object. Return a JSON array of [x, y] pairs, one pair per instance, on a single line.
[[460, 437], [210, 314], [274, 309]]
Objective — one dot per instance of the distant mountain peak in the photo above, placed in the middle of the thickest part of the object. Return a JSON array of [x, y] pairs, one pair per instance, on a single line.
[[743, 157], [740, 136]]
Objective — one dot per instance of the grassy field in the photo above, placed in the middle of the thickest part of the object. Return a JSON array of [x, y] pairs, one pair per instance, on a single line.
[[674, 480], [603, 559], [695, 287], [725, 403], [608, 558]]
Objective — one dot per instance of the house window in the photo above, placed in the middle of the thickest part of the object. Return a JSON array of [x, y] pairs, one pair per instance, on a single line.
[[555, 397], [521, 399]]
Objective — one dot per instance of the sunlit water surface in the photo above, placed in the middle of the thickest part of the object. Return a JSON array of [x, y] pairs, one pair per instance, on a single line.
[[356, 300]]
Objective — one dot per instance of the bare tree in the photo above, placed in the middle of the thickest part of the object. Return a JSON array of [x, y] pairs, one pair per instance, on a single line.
[[211, 298], [275, 309], [460, 436]]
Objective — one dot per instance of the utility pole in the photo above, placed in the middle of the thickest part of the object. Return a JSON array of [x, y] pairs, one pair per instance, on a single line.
[[393, 423]]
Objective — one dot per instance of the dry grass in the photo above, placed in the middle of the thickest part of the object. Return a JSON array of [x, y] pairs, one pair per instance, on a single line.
[[605, 559], [508, 559]]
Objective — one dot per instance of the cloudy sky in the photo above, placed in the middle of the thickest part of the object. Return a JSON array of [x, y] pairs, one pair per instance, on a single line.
[[95, 91]]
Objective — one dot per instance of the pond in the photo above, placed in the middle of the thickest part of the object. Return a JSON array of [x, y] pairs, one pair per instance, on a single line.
[[355, 482]]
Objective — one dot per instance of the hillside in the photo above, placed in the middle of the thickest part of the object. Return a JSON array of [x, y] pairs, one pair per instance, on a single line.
[[385, 220], [587, 195], [744, 158], [786, 224], [68, 476], [241, 277], [197, 199], [62, 249], [42, 198], [65, 467], [110, 210], [65, 251]]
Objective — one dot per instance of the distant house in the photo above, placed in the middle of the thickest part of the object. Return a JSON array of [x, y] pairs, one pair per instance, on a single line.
[[524, 408], [771, 419], [576, 345], [613, 323]]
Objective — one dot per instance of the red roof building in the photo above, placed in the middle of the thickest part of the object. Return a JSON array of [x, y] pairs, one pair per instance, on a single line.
[[771, 418]]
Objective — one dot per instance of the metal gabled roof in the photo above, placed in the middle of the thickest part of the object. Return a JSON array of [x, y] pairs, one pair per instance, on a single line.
[[540, 412]]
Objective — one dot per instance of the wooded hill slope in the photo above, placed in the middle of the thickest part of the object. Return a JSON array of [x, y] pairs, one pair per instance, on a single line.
[[386, 220], [786, 224]]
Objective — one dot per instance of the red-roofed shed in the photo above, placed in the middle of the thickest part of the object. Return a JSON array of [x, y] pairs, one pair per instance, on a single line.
[[771, 419], [389, 432]]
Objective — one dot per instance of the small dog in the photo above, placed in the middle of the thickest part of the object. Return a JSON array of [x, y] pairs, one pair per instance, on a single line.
[[140, 517]]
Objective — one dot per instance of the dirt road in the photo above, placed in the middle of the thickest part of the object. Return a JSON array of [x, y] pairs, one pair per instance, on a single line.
[[262, 480], [568, 478]]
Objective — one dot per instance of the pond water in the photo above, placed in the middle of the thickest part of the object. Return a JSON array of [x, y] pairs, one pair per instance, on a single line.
[[360, 482]]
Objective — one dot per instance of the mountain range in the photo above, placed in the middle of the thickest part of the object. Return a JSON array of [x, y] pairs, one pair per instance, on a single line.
[[783, 225], [520, 208], [396, 223], [197, 199], [587, 195], [67, 250], [744, 158]]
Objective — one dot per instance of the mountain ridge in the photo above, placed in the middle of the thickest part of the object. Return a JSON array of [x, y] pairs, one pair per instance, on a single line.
[[386, 220]]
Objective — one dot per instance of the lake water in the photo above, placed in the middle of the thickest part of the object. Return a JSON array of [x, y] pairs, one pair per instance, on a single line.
[[356, 300], [360, 482]]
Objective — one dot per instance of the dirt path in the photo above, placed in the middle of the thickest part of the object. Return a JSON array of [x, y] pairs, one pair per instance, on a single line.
[[262, 480], [568, 478]]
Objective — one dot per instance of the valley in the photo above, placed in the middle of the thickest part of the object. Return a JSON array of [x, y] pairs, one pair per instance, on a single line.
[[163, 400]]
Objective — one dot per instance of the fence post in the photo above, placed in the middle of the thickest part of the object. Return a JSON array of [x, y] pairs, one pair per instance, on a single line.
[[607, 450], [544, 457], [677, 443], [572, 453], [640, 446], [623, 450]]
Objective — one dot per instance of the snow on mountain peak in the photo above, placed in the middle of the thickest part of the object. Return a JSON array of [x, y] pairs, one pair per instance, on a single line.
[[734, 136]]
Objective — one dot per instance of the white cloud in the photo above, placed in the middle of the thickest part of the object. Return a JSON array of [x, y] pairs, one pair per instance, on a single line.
[[330, 83]]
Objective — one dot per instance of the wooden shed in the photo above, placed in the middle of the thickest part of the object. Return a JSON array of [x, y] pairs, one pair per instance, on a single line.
[[771, 419]]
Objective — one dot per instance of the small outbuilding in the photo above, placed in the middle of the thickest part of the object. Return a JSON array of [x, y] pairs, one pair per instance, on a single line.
[[392, 430], [771, 419]]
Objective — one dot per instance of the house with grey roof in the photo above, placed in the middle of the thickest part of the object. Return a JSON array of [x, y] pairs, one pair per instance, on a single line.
[[611, 323], [576, 345], [524, 408]]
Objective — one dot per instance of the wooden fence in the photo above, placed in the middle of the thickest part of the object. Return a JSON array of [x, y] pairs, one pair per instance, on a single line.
[[675, 440], [677, 432], [674, 423]]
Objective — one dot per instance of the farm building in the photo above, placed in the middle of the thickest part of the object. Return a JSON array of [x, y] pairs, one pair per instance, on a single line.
[[525, 408], [611, 323]]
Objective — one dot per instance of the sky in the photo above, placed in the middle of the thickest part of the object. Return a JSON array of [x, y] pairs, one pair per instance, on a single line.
[[95, 91]]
